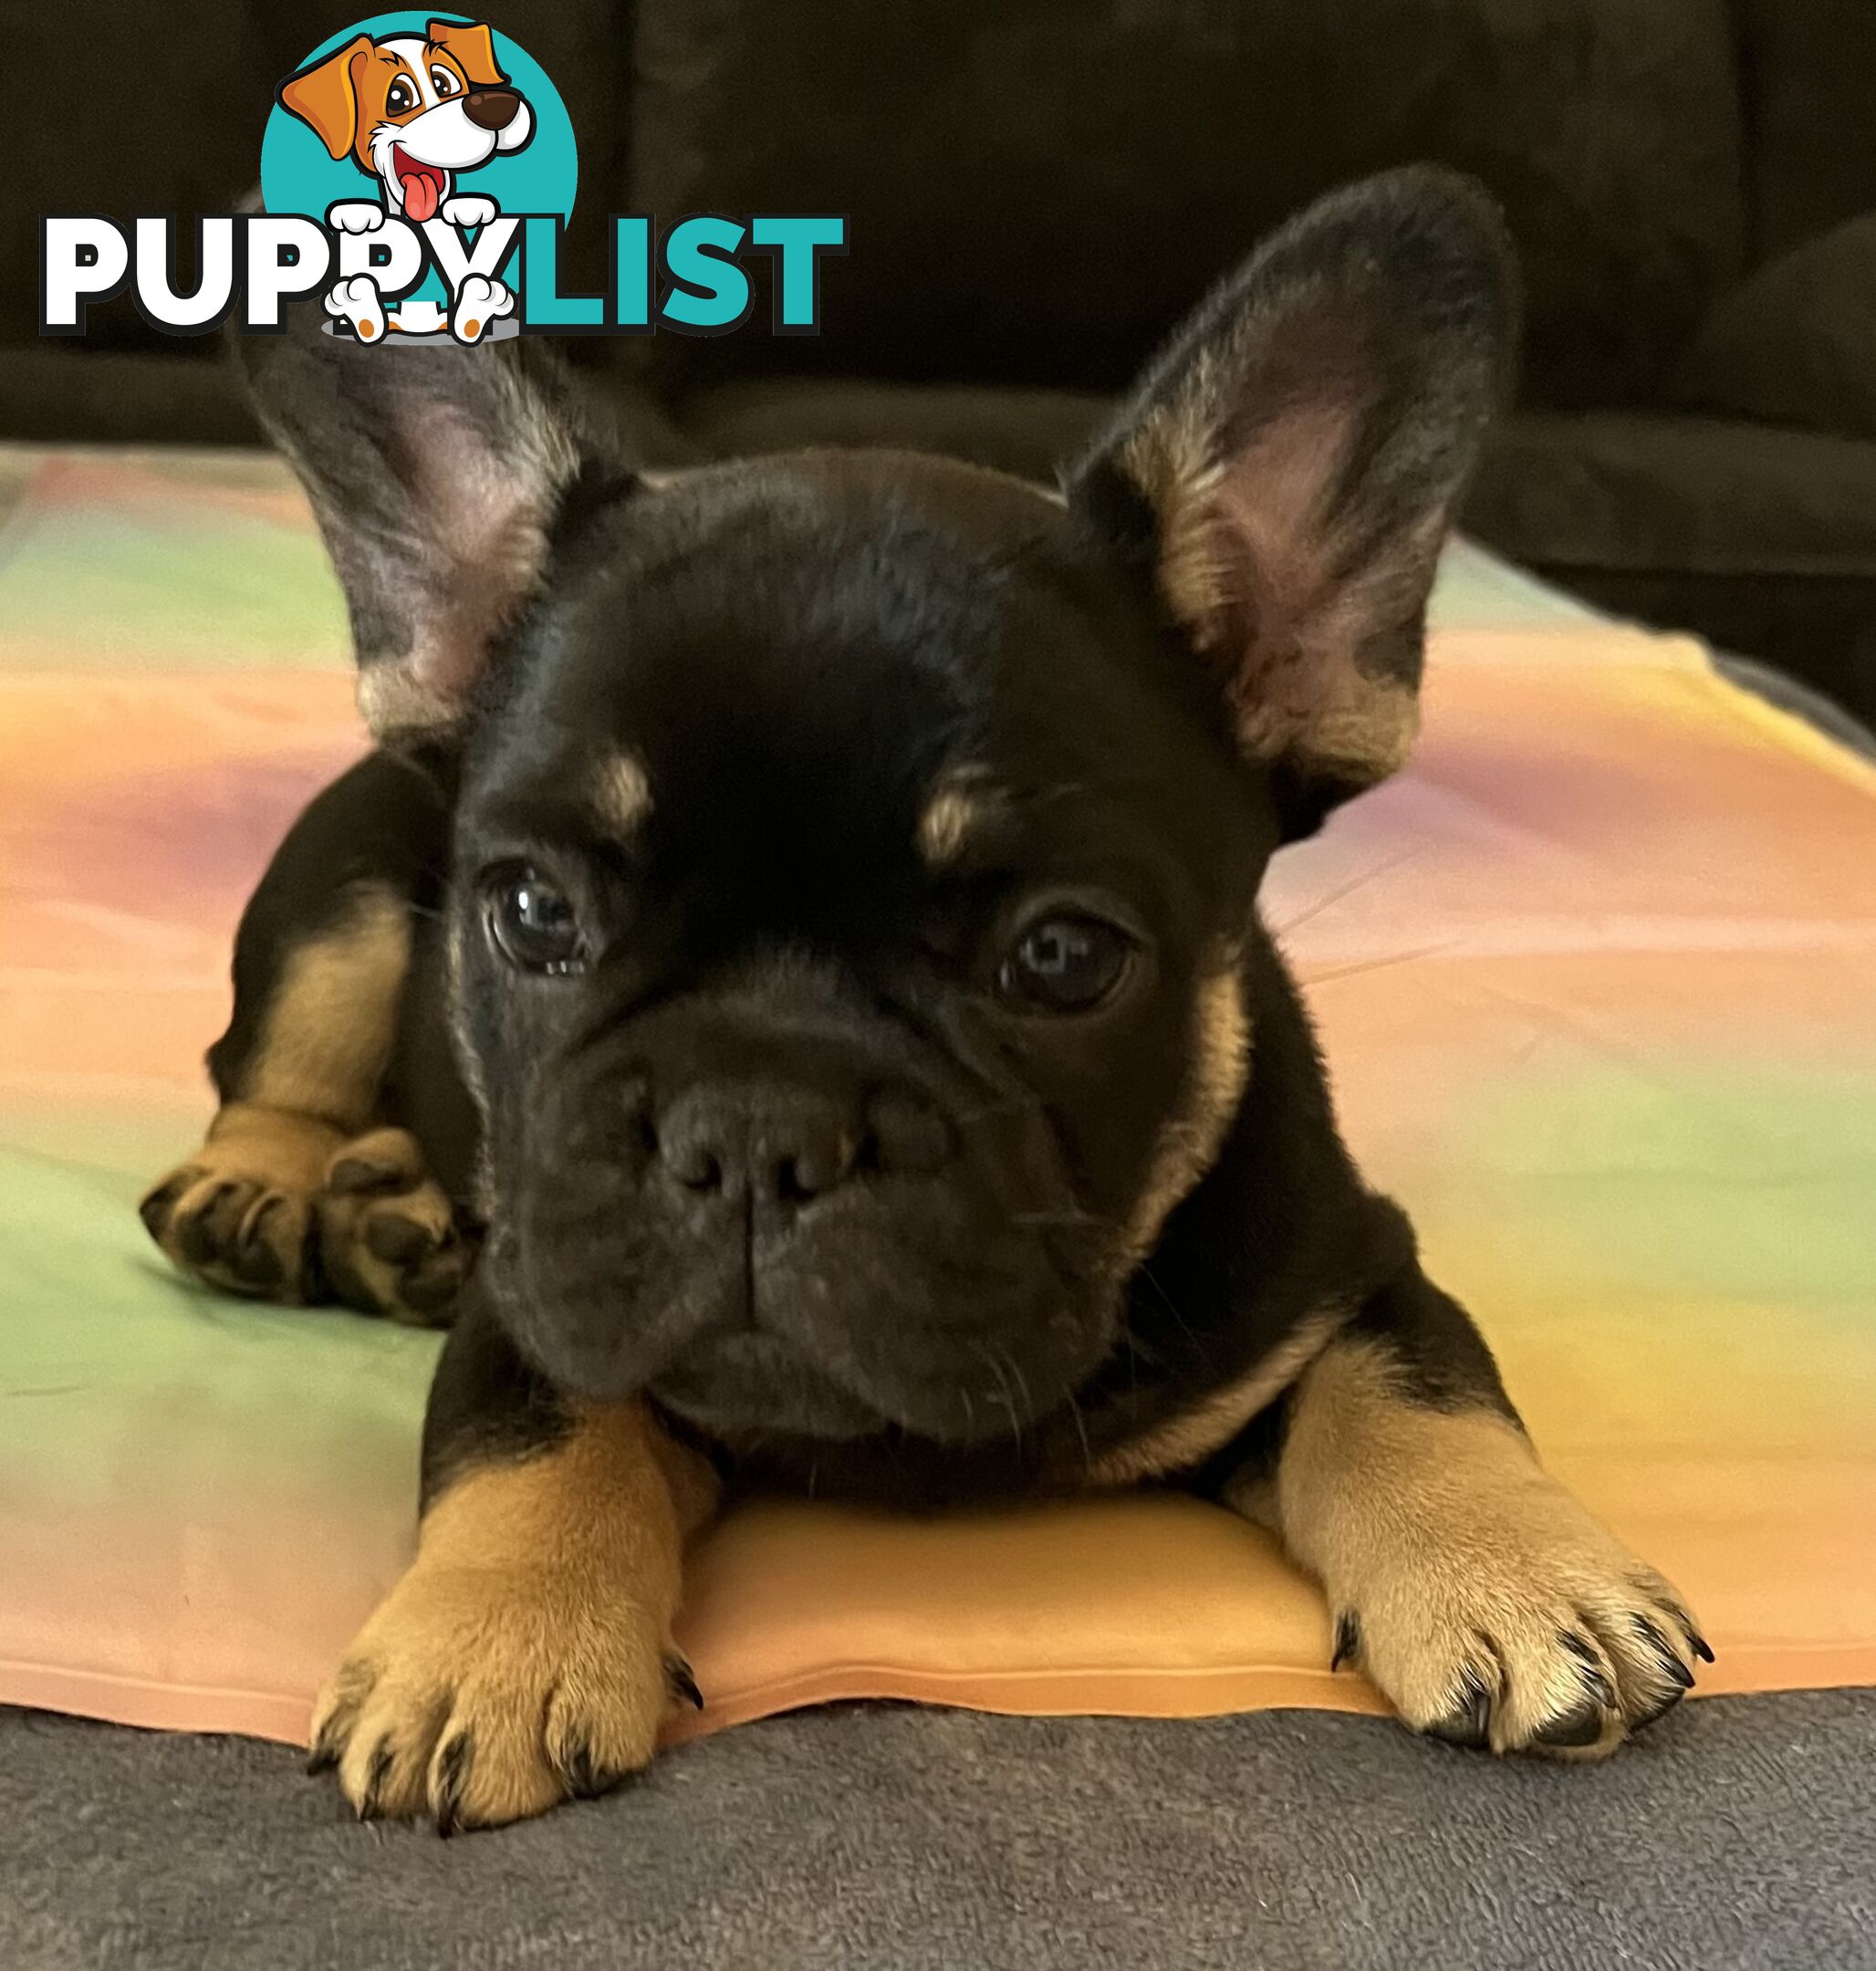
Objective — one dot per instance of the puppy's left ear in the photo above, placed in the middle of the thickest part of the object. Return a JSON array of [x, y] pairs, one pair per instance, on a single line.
[[1287, 469], [474, 46], [439, 476]]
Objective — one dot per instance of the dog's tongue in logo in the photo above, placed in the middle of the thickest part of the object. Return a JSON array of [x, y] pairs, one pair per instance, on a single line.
[[421, 185]]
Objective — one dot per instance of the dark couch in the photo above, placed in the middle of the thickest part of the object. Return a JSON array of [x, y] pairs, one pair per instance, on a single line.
[[1039, 187]]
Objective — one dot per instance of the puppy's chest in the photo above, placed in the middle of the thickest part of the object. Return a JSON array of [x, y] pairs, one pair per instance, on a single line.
[[1175, 1435]]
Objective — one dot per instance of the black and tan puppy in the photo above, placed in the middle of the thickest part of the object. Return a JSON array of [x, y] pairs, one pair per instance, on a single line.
[[801, 923]]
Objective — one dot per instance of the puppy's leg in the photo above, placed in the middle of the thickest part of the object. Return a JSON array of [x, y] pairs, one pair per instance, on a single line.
[[526, 1655], [1487, 1604], [319, 968]]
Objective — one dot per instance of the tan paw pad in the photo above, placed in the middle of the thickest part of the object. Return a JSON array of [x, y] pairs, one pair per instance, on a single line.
[[390, 1239], [240, 1213]]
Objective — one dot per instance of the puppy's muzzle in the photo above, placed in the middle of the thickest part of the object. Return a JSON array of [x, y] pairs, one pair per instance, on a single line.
[[491, 108]]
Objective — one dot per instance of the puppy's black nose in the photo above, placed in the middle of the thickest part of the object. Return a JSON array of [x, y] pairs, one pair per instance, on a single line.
[[778, 1144], [491, 108], [767, 1144]]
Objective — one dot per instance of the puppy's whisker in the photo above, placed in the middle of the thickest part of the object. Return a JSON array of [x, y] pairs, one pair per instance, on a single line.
[[1145, 1272], [1343, 891], [1005, 1399], [1082, 1432], [1375, 964]]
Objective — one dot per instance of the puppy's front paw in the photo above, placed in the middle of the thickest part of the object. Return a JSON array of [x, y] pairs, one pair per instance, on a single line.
[[1518, 1625], [240, 1214], [479, 1695], [389, 1237]]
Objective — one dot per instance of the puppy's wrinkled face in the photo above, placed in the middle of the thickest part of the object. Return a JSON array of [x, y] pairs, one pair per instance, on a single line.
[[855, 849], [847, 947]]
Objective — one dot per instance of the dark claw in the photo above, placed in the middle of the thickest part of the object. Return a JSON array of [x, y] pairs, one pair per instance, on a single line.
[[313, 1284], [156, 1208], [375, 1778], [198, 1240], [1684, 1621], [256, 1264], [358, 1177], [584, 1779], [434, 1286], [677, 1674], [1348, 1641], [1664, 1651], [322, 1755], [397, 1240], [1660, 1711], [452, 1770], [1579, 1726], [1469, 1726], [1595, 1678]]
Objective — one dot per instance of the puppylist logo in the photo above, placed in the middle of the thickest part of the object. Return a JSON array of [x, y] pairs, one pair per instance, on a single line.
[[418, 175]]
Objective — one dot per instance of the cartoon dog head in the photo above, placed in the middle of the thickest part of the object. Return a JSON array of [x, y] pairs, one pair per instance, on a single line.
[[412, 111]]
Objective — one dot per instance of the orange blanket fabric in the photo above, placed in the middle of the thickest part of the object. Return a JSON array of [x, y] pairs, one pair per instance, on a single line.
[[1597, 982]]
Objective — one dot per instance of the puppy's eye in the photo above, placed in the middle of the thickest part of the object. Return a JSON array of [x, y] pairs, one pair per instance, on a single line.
[[444, 83], [533, 925], [1068, 963], [400, 97]]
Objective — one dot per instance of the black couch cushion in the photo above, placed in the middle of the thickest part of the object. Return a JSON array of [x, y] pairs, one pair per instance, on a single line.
[[1796, 343], [1809, 68], [1038, 191]]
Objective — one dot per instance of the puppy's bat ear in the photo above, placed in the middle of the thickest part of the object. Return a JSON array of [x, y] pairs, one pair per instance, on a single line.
[[436, 473], [1288, 468], [474, 46], [326, 96]]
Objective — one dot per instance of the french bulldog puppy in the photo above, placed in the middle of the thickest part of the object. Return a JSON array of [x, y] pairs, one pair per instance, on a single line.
[[789, 988]]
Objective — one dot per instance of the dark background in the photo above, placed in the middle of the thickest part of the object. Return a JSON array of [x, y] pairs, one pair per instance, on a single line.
[[1038, 188]]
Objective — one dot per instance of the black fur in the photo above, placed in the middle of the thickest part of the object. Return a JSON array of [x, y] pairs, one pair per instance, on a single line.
[[799, 655]]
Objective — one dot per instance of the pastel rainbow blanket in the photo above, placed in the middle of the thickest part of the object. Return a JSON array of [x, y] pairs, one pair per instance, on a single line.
[[1597, 982]]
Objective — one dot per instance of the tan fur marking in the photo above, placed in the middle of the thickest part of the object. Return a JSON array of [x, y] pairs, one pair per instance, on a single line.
[[621, 796], [392, 699], [959, 807], [1191, 1437], [326, 1037], [1461, 1560], [1172, 458], [1190, 1141], [534, 1625]]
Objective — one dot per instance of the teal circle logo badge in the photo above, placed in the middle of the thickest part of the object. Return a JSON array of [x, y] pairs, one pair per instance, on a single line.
[[422, 143]]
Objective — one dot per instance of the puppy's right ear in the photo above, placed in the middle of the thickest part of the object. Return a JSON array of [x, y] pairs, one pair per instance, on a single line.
[[435, 473], [326, 96]]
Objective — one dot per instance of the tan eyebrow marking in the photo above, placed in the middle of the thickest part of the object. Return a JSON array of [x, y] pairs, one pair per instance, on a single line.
[[621, 793], [963, 801]]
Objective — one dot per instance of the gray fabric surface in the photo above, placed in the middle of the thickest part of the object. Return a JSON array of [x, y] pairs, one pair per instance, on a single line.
[[1739, 1833]]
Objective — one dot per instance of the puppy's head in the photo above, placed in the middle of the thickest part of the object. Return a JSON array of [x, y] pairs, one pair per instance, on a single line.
[[855, 849], [412, 110]]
